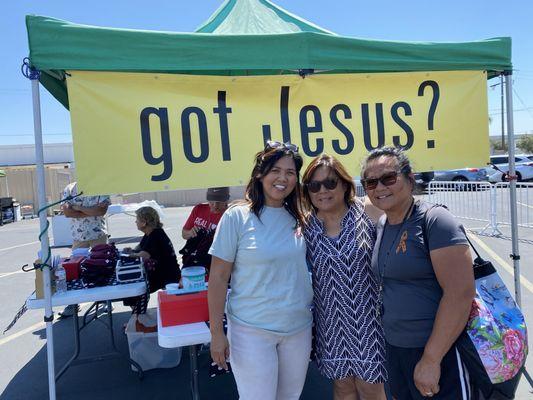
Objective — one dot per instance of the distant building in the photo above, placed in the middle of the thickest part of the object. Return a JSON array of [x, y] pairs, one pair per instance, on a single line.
[[24, 154], [18, 162]]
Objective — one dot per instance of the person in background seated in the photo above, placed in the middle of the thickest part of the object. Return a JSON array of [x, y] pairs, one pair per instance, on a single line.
[[159, 259], [87, 223], [199, 229]]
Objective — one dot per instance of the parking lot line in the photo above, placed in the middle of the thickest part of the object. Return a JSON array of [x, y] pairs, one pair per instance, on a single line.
[[10, 273], [523, 204], [20, 245], [35, 327], [525, 283], [32, 328]]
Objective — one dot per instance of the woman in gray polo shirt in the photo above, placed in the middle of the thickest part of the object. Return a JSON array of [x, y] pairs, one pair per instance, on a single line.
[[426, 286]]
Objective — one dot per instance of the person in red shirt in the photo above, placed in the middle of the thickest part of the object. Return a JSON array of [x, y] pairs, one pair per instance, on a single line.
[[206, 215], [199, 230]]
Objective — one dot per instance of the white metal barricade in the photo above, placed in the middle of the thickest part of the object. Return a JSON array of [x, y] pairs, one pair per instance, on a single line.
[[524, 204], [484, 202], [359, 189], [468, 200]]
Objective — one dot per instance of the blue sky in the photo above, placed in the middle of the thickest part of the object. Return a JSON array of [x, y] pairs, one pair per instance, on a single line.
[[410, 20]]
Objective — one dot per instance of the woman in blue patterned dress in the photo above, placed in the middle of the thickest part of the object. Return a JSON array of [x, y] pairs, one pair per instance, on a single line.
[[340, 236]]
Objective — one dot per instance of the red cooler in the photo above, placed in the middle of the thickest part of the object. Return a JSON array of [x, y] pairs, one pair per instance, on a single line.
[[183, 309], [72, 267]]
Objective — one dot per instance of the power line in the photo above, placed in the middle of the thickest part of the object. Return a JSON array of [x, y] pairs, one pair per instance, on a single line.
[[499, 110], [31, 134], [522, 102]]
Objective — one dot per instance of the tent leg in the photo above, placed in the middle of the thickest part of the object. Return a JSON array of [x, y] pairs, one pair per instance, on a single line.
[[45, 245], [512, 194], [512, 188]]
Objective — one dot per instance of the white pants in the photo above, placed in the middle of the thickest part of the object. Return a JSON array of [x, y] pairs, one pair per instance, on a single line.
[[267, 366]]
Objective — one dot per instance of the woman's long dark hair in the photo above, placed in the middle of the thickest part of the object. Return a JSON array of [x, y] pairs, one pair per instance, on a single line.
[[264, 161]]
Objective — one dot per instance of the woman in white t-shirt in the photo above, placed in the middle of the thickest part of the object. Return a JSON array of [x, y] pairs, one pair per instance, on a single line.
[[259, 243]]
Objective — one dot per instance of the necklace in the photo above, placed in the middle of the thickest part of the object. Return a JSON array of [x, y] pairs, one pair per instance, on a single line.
[[381, 271]]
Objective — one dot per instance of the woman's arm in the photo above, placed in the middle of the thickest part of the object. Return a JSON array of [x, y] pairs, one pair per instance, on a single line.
[[453, 268], [143, 254], [97, 210], [218, 287], [69, 212], [372, 211]]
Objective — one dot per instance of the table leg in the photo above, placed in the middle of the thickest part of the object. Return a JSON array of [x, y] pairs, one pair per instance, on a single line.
[[193, 355], [112, 337], [86, 321], [77, 345], [110, 316], [74, 360]]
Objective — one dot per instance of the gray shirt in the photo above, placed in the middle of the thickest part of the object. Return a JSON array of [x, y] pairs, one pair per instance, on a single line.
[[270, 285], [411, 292]]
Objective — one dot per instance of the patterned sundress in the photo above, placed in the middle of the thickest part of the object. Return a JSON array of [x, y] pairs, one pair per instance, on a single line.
[[349, 338]]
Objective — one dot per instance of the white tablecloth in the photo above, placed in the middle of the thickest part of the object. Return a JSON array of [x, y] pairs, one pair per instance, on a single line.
[[79, 296], [130, 208]]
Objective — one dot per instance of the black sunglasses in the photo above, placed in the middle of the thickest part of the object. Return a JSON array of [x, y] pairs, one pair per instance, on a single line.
[[328, 183], [273, 144], [388, 179]]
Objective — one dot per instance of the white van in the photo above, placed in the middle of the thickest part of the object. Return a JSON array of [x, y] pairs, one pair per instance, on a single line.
[[523, 166]]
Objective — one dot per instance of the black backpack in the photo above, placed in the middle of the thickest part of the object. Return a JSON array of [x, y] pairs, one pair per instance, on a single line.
[[195, 251]]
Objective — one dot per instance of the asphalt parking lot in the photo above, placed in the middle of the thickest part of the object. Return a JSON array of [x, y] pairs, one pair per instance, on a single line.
[[23, 369]]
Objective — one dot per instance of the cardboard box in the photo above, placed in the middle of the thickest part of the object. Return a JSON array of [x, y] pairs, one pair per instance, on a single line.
[[183, 309], [39, 284], [72, 267]]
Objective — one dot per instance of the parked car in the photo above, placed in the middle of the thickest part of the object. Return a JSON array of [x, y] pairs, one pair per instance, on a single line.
[[462, 175], [423, 178], [523, 167]]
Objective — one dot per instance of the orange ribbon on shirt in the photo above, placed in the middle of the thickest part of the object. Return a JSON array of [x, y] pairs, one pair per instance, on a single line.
[[403, 243]]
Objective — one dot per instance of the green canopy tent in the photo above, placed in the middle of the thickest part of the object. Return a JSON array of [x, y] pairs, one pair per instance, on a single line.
[[243, 37], [246, 37]]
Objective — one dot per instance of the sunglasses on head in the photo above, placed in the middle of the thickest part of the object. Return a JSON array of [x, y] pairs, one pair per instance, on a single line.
[[388, 179], [273, 144], [328, 183]]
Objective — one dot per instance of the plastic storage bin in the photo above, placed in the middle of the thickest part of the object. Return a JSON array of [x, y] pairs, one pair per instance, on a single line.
[[145, 350]]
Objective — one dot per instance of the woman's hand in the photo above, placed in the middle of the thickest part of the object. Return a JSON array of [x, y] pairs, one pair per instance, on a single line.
[[427, 376], [220, 350], [144, 255], [189, 234]]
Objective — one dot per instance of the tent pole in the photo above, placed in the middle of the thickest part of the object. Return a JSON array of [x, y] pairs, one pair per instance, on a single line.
[[45, 246], [512, 187], [512, 194]]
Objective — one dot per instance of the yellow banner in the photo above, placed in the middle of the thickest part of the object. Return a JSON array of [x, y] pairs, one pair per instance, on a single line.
[[148, 132]]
